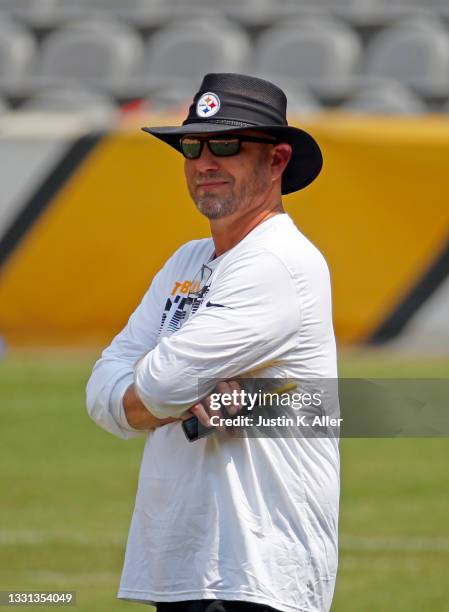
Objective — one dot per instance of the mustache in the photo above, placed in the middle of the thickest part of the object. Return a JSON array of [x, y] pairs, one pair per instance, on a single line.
[[211, 176]]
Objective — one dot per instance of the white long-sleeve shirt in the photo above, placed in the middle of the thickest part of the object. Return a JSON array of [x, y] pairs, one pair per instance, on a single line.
[[244, 518]]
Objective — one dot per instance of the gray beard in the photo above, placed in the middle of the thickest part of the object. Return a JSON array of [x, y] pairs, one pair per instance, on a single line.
[[214, 207]]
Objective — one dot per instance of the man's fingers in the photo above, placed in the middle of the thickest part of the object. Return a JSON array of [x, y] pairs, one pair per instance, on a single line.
[[231, 390], [235, 389], [203, 411], [224, 390], [201, 414]]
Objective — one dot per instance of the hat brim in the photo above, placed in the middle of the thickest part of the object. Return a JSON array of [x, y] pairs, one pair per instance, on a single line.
[[303, 168]]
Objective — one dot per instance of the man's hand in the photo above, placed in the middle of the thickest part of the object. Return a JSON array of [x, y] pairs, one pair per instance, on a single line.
[[137, 415], [203, 411]]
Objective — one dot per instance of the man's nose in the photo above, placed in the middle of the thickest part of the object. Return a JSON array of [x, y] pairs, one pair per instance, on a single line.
[[207, 161]]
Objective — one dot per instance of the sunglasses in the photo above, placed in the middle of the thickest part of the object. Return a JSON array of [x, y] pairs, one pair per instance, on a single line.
[[220, 146]]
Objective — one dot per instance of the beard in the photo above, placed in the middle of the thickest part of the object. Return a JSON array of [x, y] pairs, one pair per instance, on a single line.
[[214, 206], [217, 206]]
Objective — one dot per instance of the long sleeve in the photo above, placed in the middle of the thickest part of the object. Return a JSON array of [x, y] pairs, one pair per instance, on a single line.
[[250, 318], [114, 371]]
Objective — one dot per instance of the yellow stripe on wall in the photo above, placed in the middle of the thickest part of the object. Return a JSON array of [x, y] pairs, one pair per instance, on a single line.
[[88, 260], [379, 212]]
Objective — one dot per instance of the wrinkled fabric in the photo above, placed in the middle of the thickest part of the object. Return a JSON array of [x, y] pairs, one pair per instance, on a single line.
[[244, 519]]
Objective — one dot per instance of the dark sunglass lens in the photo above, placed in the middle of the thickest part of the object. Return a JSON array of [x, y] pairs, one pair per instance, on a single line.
[[223, 148], [191, 148]]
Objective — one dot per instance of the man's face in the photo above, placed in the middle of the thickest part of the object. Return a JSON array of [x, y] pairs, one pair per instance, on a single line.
[[221, 186]]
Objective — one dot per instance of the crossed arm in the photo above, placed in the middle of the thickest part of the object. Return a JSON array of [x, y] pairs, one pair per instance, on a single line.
[[259, 325], [139, 417]]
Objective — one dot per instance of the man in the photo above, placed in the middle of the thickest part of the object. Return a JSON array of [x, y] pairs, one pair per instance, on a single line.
[[228, 523]]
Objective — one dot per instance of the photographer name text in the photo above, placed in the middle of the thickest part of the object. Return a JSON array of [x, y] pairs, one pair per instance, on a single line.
[[279, 421]]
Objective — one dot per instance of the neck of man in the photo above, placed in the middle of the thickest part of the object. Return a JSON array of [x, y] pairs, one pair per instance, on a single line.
[[230, 230]]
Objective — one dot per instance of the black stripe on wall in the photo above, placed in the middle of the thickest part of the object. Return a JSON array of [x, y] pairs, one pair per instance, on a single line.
[[399, 318], [41, 198]]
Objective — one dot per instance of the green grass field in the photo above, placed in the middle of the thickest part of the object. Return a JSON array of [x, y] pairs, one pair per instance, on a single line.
[[67, 492]]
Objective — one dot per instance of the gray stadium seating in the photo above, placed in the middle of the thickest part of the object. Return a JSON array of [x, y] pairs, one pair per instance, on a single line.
[[384, 97], [225, 6], [149, 13], [17, 53], [432, 4], [146, 14], [322, 54], [413, 52], [334, 6], [44, 13], [121, 8], [354, 11], [94, 104], [175, 96], [26, 9], [299, 99], [101, 53], [188, 50], [250, 12], [139, 12], [437, 7], [298, 43], [69, 99]]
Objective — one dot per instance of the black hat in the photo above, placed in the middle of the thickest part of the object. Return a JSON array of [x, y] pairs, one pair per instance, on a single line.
[[232, 102]]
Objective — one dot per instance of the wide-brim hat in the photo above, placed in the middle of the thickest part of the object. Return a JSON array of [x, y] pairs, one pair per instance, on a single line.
[[228, 102]]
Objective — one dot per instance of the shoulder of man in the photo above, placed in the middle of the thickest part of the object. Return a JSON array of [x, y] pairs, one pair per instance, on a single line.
[[192, 247], [187, 252]]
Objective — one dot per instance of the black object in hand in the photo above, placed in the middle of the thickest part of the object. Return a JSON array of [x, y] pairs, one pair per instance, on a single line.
[[194, 430]]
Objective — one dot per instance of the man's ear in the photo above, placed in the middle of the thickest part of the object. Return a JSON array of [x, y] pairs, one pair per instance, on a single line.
[[282, 153]]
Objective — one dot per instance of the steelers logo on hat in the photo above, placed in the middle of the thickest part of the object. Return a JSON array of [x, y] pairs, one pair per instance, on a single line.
[[208, 105]]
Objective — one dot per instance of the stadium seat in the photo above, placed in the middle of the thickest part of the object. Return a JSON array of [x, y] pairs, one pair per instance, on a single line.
[[101, 53], [349, 10], [138, 12], [251, 12], [431, 4], [362, 13], [173, 97], [24, 9], [386, 13], [413, 52], [334, 6], [189, 49], [272, 13], [225, 6], [177, 95], [385, 97], [43, 13], [269, 13], [437, 7], [18, 50], [322, 54], [299, 99], [72, 99]]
